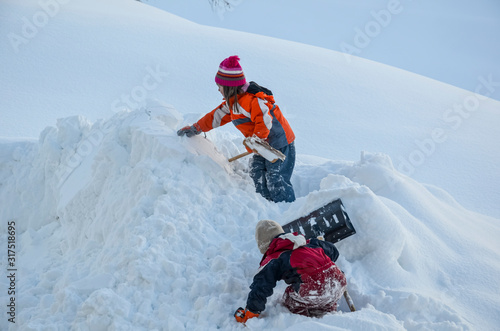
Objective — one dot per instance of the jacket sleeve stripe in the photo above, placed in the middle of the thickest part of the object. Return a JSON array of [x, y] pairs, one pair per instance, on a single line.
[[239, 121], [219, 115], [266, 116]]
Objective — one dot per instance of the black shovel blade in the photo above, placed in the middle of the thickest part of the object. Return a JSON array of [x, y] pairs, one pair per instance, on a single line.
[[330, 222]]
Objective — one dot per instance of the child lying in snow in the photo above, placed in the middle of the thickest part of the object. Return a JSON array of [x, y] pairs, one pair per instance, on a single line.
[[316, 283], [252, 110]]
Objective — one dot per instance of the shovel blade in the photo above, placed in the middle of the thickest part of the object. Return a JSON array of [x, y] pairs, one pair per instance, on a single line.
[[330, 222], [261, 147]]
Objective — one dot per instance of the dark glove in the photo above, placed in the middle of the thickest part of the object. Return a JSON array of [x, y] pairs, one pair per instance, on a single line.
[[242, 315], [190, 130]]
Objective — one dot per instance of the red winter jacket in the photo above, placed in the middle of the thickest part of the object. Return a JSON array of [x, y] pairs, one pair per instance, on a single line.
[[256, 114], [307, 266]]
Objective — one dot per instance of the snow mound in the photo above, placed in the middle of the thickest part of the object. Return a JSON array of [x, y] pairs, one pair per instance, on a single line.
[[137, 228]]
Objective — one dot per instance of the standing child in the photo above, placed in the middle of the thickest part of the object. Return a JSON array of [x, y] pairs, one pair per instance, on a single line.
[[315, 282], [252, 110]]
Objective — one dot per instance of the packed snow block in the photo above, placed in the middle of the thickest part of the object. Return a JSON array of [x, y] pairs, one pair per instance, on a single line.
[[330, 222]]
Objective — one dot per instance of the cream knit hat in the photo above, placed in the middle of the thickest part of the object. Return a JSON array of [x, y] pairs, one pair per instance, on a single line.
[[265, 231]]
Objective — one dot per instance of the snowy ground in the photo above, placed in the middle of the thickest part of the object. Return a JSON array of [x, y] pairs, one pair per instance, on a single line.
[[120, 224]]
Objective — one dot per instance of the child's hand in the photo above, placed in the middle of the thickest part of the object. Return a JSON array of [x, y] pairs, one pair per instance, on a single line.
[[190, 130], [243, 315]]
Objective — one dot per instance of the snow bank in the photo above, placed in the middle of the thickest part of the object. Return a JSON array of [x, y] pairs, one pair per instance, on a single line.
[[136, 228], [93, 58]]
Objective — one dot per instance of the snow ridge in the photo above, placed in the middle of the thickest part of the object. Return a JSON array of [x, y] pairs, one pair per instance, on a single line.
[[140, 229]]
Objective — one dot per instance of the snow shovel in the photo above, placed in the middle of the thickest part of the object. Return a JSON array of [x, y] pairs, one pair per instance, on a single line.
[[260, 147], [330, 222]]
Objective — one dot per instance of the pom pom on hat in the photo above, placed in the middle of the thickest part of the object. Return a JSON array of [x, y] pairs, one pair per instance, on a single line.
[[232, 61], [230, 72]]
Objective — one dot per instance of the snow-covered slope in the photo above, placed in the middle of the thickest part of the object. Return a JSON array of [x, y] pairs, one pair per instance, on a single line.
[[93, 59], [456, 44], [136, 228], [122, 224]]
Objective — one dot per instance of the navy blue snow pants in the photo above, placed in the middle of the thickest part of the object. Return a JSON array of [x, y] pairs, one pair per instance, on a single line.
[[272, 180]]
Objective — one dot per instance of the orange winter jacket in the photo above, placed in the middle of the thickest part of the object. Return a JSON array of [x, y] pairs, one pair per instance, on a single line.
[[256, 114]]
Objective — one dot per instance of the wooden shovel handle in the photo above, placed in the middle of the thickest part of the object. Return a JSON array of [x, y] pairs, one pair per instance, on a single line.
[[349, 301], [239, 156]]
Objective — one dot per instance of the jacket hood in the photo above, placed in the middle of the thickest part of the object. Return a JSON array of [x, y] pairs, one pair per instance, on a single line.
[[286, 241]]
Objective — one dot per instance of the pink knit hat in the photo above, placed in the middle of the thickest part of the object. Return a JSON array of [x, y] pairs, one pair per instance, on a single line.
[[230, 72]]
